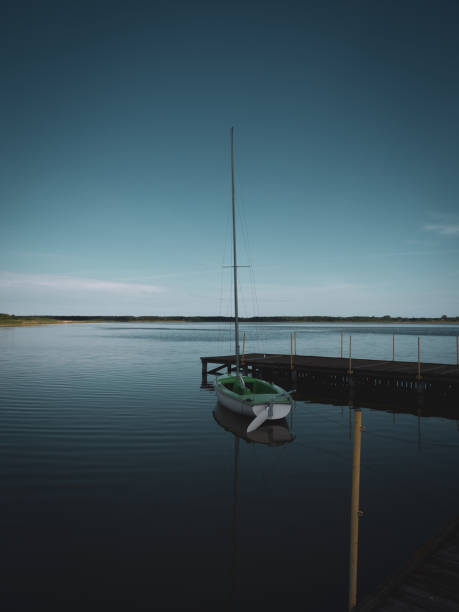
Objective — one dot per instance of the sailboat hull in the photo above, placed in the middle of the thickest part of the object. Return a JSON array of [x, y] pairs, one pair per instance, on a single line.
[[248, 401]]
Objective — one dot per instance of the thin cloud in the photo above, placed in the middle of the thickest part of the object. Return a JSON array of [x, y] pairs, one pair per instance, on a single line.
[[444, 229], [72, 283]]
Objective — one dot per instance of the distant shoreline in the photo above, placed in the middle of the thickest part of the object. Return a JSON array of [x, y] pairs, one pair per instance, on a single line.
[[21, 321]]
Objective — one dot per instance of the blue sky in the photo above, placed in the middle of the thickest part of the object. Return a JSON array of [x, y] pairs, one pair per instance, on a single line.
[[115, 169]]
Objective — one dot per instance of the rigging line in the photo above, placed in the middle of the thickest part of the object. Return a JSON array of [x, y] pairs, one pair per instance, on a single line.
[[259, 337], [224, 326], [247, 247], [226, 234], [221, 294], [222, 282], [229, 324], [244, 224], [243, 299], [220, 301], [245, 242], [222, 306], [252, 283]]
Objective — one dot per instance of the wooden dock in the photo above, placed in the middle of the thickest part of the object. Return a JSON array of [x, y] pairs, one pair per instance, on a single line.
[[367, 376], [429, 582]]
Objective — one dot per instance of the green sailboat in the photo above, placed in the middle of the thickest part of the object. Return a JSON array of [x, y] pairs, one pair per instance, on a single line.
[[246, 395]]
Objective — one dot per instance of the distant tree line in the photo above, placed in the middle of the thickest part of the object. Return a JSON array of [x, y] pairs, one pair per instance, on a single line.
[[218, 319], [279, 319]]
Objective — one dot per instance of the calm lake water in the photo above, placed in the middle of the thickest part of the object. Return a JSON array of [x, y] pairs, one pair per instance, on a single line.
[[119, 487]]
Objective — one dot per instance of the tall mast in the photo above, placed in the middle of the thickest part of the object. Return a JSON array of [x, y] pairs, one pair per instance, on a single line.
[[236, 320]]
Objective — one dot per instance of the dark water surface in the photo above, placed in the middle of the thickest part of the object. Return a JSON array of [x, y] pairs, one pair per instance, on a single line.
[[119, 488]]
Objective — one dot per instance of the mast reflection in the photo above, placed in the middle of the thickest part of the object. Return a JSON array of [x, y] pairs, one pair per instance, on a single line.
[[271, 433]]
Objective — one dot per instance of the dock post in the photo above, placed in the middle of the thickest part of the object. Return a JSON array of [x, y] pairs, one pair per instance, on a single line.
[[355, 511], [419, 358], [350, 371], [419, 385], [350, 355], [204, 371], [292, 352]]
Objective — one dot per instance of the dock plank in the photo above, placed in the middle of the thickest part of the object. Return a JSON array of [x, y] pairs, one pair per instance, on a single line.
[[429, 581]]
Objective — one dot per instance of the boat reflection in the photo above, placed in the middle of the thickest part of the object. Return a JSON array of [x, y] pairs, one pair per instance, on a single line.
[[272, 433]]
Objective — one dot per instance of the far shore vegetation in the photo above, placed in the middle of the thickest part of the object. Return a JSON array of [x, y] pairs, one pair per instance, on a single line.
[[18, 320]]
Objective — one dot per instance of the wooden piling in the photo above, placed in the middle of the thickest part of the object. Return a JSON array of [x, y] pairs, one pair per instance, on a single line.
[[419, 359], [355, 511], [349, 371], [204, 371]]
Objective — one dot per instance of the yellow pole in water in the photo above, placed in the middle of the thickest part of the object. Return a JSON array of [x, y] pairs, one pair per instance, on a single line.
[[393, 347], [419, 358], [350, 355], [243, 348], [354, 538]]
